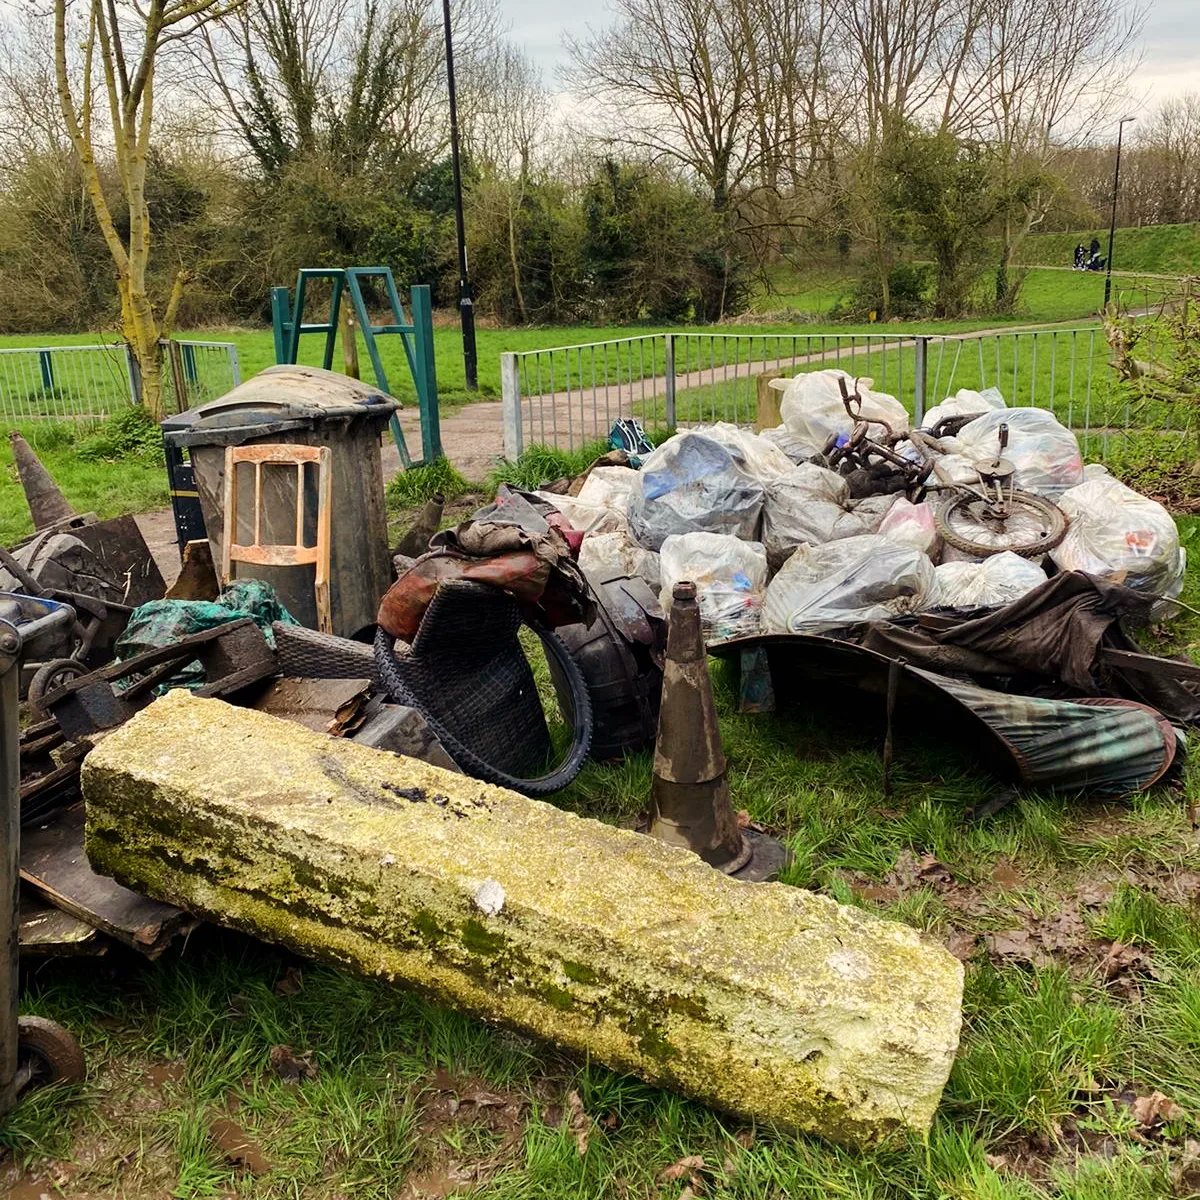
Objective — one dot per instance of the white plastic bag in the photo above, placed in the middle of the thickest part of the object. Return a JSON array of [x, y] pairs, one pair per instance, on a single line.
[[812, 408], [868, 513], [609, 487], [794, 447], [588, 518], [1044, 452], [729, 576], [963, 403], [989, 583], [691, 484], [910, 525], [803, 507], [1121, 536], [757, 456], [607, 554], [847, 582]]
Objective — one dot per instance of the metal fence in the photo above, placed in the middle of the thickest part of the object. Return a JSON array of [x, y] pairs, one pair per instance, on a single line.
[[566, 396], [86, 384]]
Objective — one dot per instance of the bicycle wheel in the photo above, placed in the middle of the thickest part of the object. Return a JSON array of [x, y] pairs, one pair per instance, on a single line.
[[1034, 525]]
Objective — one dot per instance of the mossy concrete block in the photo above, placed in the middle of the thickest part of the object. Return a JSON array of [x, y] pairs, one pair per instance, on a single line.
[[764, 1000]]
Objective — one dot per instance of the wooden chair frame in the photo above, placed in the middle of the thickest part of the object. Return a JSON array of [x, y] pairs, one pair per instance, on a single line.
[[275, 555]]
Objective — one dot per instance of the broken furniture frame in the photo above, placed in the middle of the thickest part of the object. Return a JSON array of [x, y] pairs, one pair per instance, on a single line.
[[233, 656], [294, 554]]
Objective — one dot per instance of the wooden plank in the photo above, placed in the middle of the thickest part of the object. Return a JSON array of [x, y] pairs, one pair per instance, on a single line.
[[53, 863], [48, 931]]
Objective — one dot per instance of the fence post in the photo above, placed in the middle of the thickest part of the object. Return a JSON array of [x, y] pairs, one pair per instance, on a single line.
[[235, 367], [510, 406], [281, 317], [921, 373], [669, 368], [426, 373], [135, 377], [47, 369]]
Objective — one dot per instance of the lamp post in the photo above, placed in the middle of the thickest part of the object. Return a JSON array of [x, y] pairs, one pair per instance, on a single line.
[[466, 304], [1112, 224]]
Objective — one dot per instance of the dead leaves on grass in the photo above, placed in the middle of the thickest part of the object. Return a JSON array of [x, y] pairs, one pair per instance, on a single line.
[[290, 1066]]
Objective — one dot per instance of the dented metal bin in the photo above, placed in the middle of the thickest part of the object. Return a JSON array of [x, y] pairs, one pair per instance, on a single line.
[[302, 406]]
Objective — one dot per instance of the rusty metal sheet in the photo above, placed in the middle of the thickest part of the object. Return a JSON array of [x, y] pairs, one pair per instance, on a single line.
[[333, 706], [54, 865]]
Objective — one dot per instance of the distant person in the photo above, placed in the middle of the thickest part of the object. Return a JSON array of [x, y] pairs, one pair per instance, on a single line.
[[1095, 262], [1080, 255]]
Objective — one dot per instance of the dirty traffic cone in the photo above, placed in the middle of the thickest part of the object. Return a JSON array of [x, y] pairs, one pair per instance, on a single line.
[[416, 541], [689, 799], [47, 505]]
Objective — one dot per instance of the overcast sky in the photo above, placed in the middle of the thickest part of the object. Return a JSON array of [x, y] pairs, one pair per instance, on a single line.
[[1170, 63]]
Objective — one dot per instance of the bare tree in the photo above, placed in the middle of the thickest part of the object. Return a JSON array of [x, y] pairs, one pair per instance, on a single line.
[[1043, 77], [121, 48], [360, 81]]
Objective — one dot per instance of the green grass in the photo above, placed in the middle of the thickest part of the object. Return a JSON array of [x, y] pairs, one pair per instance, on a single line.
[[1161, 249]]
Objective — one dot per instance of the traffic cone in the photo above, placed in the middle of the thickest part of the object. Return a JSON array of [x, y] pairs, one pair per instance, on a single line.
[[47, 505], [690, 804], [416, 541]]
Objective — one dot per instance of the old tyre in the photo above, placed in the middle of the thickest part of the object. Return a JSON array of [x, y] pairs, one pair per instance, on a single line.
[[570, 684], [1034, 525], [48, 1052], [51, 675]]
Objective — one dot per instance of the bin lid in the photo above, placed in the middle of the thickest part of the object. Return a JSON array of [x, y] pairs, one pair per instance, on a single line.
[[280, 398]]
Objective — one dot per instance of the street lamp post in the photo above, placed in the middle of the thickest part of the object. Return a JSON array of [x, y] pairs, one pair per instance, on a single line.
[[1112, 224], [466, 304]]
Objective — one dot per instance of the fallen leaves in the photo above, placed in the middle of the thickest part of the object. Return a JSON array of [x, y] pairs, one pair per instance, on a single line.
[[290, 1066], [290, 983], [578, 1122], [1155, 1109]]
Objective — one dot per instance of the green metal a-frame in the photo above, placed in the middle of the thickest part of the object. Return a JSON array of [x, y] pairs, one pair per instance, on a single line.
[[416, 335]]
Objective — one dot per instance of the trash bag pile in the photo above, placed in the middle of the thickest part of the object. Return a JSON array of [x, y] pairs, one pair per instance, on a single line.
[[777, 542]]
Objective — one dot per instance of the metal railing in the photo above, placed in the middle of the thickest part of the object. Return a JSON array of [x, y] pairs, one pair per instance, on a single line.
[[566, 396], [85, 384]]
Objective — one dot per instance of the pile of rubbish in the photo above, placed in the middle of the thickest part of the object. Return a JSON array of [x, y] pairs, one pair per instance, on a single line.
[[845, 520], [778, 541]]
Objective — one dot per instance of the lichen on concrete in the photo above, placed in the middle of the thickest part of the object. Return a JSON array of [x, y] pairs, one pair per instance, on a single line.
[[764, 1000]]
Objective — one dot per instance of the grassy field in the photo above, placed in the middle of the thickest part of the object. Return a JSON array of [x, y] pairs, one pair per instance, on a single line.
[[1161, 249], [1077, 921]]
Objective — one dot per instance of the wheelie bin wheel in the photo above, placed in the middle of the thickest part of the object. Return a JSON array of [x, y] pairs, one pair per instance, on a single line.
[[48, 1053]]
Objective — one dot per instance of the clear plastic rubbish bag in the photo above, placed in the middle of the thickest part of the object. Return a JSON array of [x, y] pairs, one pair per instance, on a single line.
[[804, 507], [729, 575], [607, 554], [1044, 452], [588, 518], [1121, 535], [985, 583], [812, 408], [609, 487], [847, 582], [910, 525], [964, 403], [794, 447], [691, 484], [756, 455]]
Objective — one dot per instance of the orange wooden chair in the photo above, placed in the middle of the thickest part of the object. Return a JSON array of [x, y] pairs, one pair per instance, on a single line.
[[294, 554]]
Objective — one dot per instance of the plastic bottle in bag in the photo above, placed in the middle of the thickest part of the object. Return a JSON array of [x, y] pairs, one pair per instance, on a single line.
[[847, 582], [1121, 535], [691, 484], [729, 576]]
